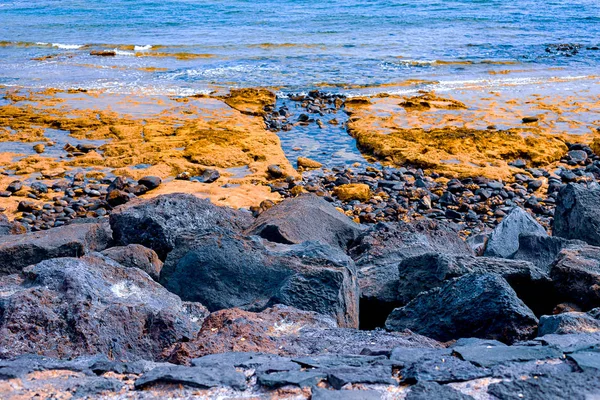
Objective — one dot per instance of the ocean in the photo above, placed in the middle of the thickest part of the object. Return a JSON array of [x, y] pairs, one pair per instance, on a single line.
[[185, 47]]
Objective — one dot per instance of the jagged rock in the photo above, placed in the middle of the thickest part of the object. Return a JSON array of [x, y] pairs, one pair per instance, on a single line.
[[570, 322], [489, 356], [570, 343], [303, 218], [576, 275], [293, 378], [576, 386], [136, 256], [193, 376], [504, 239], [67, 307], [474, 305], [433, 390], [442, 369], [576, 215], [324, 394], [430, 270], [380, 374], [542, 250], [75, 240], [156, 223], [378, 252], [225, 271]]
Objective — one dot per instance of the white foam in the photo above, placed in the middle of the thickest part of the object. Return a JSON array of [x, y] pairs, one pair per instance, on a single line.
[[123, 53], [67, 46], [142, 48]]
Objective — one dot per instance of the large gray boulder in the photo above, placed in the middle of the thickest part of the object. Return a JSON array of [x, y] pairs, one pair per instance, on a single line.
[[157, 223], [576, 276], [303, 218], [378, 252], [67, 307], [504, 239], [474, 305], [76, 240], [542, 250], [576, 214], [430, 270], [231, 270]]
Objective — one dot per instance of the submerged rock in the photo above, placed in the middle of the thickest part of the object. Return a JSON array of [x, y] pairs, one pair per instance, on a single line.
[[474, 305], [68, 307]]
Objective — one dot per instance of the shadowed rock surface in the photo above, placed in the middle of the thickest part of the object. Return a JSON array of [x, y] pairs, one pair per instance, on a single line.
[[570, 322], [68, 307], [158, 222], [228, 270], [75, 240], [542, 250], [305, 218], [576, 215], [576, 275], [474, 305], [378, 252]]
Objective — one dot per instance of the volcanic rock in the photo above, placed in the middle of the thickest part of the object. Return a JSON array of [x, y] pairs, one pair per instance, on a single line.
[[75, 240], [136, 256], [504, 239], [474, 305], [67, 307], [158, 222], [576, 215], [570, 322], [303, 218], [576, 275]]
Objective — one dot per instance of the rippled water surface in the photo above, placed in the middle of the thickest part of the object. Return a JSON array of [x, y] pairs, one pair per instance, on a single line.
[[183, 46]]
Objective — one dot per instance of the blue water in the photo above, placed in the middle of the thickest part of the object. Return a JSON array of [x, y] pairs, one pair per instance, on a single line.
[[293, 44]]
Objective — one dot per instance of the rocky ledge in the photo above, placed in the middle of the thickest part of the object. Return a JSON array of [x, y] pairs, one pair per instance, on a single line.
[[175, 297]]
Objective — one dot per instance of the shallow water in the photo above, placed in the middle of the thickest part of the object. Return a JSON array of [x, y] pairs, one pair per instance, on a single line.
[[294, 44]]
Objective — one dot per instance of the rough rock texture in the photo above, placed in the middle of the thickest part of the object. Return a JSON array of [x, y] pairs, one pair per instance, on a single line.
[[576, 215], [570, 322], [542, 250], [286, 331], [430, 270], [378, 252], [504, 239], [136, 256], [225, 271], [67, 307], [158, 222], [576, 386], [75, 240], [249, 100], [576, 275], [303, 218], [474, 305]]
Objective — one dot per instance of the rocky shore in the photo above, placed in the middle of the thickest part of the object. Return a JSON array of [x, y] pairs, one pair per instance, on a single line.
[[174, 297]]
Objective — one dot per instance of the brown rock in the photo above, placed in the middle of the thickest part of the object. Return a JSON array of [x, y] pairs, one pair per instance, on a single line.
[[353, 191], [136, 256], [304, 162]]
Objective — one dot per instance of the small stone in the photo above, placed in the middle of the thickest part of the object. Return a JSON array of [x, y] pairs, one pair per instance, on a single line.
[[528, 120], [151, 182], [208, 176], [275, 171], [304, 162], [39, 148], [14, 186], [577, 156], [353, 191]]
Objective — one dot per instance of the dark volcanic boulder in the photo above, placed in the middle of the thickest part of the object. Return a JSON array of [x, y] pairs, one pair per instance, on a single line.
[[75, 240], [68, 307], [158, 222], [136, 256], [225, 271], [430, 270], [474, 305], [570, 322], [303, 218], [504, 239], [378, 252], [542, 250], [576, 215], [576, 275]]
